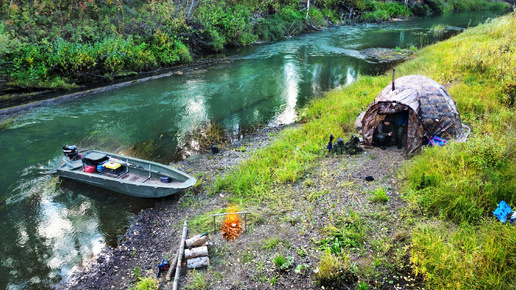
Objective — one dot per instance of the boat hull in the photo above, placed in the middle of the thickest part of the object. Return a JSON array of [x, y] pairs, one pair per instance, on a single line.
[[140, 178]]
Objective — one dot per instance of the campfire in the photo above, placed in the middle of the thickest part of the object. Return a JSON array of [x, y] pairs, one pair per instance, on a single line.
[[232, 225]]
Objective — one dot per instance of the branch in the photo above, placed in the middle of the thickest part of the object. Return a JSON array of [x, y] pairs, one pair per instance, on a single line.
[[307, 8]]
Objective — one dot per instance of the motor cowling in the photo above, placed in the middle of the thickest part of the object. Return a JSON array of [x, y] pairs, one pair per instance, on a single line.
[[71, 152]]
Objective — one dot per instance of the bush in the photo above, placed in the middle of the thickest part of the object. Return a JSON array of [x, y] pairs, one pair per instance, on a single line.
[[334, 270], [317, 17]]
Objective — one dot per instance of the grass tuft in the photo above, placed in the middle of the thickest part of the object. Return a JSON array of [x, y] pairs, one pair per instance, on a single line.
[[379, 195]]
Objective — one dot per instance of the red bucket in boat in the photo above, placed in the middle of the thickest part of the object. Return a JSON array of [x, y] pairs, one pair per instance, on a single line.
[[89, 168]]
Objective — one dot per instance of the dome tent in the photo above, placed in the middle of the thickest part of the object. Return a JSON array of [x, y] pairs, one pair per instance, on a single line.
[[431, 111]]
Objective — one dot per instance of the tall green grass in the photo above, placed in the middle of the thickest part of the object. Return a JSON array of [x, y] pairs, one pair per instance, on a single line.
[[462, 183], [466, 257]]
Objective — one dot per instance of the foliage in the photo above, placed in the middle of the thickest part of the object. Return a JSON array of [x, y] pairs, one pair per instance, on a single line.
[[334, 270], [348, 232], [270, 243], [301, 268], [63, 43], [467, 257], [283, 263], [146, 283], [447, 6], [143, 283], [382, 11], [198, 281], [379, 195]]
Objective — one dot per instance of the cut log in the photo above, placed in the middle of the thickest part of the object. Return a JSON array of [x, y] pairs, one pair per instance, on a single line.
[[196, 241], [198, 262], [196, 252], [172, 268]]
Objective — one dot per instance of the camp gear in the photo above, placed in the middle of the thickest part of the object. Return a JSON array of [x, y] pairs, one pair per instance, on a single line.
[[424, 99], [340, 145], [113, 167], [163, 266], [89, 168], [351, 147], [501, 211], [369, 178], [127, 175], [513, 218], [438, 141], [442, 127]]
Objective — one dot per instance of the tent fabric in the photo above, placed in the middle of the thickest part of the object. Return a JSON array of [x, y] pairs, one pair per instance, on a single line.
[[430, 111]]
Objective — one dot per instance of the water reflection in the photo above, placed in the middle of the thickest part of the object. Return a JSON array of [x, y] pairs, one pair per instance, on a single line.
[[290, 94]]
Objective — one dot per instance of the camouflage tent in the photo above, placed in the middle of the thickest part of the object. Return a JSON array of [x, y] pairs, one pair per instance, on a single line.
[[431, 111]]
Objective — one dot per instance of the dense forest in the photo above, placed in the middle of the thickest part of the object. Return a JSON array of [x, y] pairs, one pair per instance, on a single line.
[[67, 43]]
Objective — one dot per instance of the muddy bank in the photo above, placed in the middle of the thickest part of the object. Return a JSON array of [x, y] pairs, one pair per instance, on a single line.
[[335, 185], [14, 103]]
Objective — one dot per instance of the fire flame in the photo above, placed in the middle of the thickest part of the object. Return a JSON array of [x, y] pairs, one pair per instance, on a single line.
[[232, 225]]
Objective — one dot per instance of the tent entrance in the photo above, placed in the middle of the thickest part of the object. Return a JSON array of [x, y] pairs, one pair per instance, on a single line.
[[398, 125]]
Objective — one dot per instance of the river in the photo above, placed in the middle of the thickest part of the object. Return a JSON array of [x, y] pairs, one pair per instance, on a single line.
[[49, 226]]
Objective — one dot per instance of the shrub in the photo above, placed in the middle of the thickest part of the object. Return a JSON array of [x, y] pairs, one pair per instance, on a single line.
[[334, 270]]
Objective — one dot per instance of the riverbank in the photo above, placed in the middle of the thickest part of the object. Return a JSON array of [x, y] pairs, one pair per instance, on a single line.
[[427, 219], [94, 41]]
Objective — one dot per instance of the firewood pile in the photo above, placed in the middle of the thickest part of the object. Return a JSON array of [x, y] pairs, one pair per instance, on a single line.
[[193, 250]]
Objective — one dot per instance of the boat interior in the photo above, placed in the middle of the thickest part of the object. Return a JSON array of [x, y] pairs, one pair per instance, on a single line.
[[105, 165]]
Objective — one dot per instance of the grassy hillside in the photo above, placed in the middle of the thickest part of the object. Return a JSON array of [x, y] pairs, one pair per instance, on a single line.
[[451, 191], [63, 43]]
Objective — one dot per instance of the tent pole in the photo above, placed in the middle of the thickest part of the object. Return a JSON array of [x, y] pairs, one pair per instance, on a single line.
[[393, 77]]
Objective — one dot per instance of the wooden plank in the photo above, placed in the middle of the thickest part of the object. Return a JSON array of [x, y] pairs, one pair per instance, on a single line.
[[180, 255]]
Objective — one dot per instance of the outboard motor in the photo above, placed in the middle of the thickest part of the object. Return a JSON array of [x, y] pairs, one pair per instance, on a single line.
[[71, 152]]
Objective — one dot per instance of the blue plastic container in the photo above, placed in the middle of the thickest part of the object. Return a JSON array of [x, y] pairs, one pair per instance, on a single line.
[[100, 167], [502, 211]]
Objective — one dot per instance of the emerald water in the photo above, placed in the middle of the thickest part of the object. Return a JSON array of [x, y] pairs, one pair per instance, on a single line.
[[49, 226]]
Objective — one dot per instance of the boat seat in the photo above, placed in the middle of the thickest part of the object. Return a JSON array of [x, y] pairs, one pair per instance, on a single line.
[[75, 164]]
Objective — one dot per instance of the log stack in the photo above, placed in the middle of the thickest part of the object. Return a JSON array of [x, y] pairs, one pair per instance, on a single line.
[[194, 250], [197, 253]]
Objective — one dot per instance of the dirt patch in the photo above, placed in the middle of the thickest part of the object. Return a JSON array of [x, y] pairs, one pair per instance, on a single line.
[[296, 226]]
